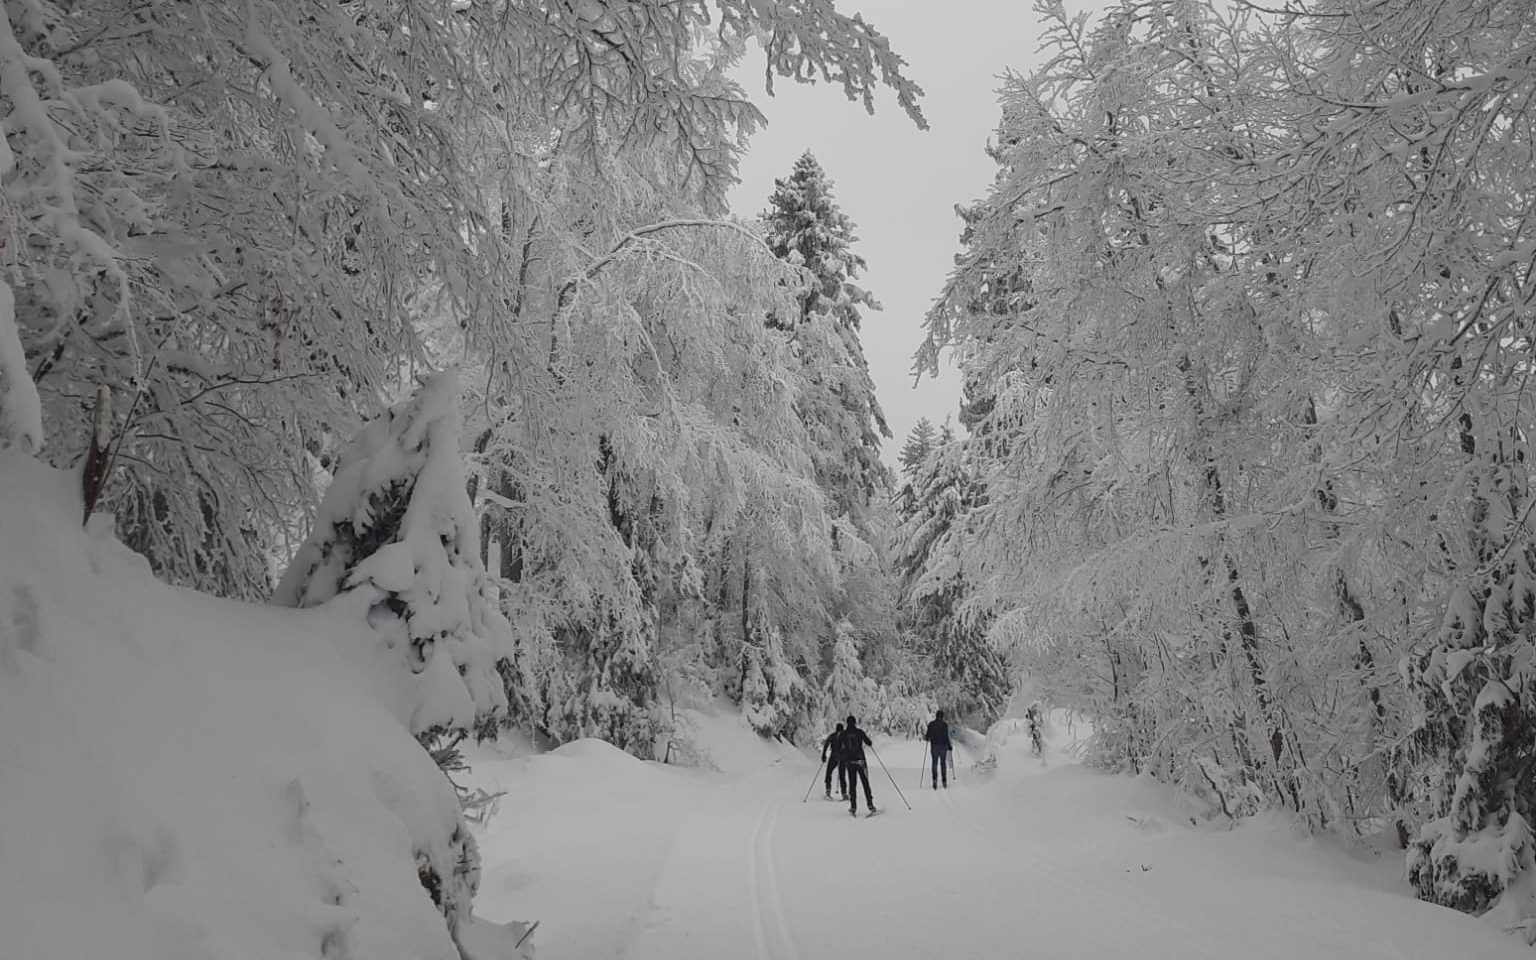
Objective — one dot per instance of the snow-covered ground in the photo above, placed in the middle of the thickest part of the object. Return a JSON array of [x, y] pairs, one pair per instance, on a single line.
[[625, 859], [187, 778]]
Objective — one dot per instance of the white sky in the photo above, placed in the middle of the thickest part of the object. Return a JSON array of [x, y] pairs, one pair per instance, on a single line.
[[899, 184]]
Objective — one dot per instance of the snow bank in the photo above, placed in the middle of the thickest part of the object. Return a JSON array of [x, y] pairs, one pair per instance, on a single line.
[[594, 828], [186, 777]]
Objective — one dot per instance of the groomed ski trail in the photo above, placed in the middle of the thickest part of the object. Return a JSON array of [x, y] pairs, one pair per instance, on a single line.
[[1020, 861], [764, 890]]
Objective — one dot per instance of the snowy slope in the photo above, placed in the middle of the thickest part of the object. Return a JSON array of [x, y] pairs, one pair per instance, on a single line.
[[185, 777], [634, 860], [584, 830]]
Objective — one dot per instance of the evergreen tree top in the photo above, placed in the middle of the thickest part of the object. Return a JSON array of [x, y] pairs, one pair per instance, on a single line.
[[804, 225], [920, 442]]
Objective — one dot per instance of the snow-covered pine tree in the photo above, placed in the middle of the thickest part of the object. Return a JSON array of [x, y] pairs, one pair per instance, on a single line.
[[609, 647], [752, 692], [774, 698], [804, 226], [969, 674], [919, 443], [847, 690], [835, 399], [397, 533], [1475, 687]]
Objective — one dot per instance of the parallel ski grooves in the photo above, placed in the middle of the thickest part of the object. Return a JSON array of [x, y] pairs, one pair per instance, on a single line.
[[775, 942]]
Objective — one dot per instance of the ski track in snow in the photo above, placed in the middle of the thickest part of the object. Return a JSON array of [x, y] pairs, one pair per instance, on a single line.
[[754, 890], [763, 888]]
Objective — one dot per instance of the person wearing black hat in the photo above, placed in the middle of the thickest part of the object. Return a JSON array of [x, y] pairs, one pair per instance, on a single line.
[[854, 741]]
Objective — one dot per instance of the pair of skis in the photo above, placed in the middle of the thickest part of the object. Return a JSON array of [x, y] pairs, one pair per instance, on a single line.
[[851, 811]]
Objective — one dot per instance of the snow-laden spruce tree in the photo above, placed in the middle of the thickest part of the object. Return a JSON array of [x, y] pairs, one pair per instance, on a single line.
[[835, 397], [804, 225], [396, 528], [1471, 748], [611, 674], [847, 690], [919, 443], [774, 697], [930, 555]]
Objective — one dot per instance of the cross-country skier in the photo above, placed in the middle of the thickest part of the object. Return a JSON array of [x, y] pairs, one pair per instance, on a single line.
[[854, 742], [939, 746], [832, 756]]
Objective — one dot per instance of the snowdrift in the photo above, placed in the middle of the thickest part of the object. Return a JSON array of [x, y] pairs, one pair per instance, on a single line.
[[182, 776]]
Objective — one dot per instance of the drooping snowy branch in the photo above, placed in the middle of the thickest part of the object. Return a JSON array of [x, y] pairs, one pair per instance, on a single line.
[[21, 412]]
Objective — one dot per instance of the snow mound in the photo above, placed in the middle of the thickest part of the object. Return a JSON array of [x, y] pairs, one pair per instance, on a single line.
[[597, 751], [586, 830], [716, 736], [185, 777]]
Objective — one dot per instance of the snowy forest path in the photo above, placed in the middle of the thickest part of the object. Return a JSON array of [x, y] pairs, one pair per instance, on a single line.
[[1020, 860], [932, 881]]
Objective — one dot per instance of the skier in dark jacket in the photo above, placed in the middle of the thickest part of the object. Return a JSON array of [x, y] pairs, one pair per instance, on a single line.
[[854, 741], [939, 746], [832, 756]]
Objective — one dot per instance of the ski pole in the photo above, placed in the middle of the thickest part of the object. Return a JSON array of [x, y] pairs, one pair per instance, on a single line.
[[888, 775], [813, 781], [920, 763]]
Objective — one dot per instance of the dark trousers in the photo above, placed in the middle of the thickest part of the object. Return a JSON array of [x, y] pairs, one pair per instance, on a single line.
[[856, 771], [940, 764], [842, 774]]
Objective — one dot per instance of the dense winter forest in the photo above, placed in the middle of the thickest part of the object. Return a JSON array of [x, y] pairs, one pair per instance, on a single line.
[[437, 311]]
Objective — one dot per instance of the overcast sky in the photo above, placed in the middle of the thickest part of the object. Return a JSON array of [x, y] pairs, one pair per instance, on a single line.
[[899, 184]]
